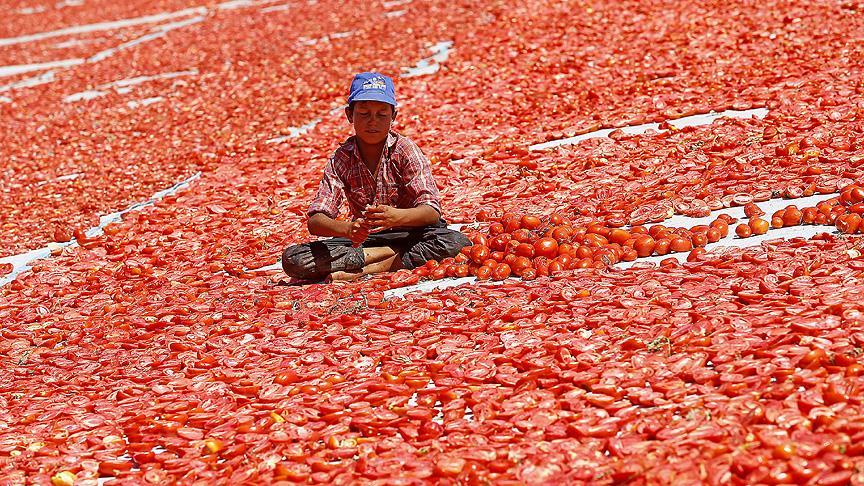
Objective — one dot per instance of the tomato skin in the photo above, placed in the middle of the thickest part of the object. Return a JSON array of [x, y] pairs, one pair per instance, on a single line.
[[696, 254], [594, 240], [848, 223], [525, 250], [834, 478], [62, 235], [483, 273], [743, 231], [546, 247], [644, 246], [564, 259], [752, 210], [286, 377], [520, 264], [857, 208], [713, 235], [655, 230], [499, 243], [680, 244], [722, 226], [851, 194], [541, 268], [490, 262], [511, 222], [758, 226], [483, 215], [496, 229], [699, 239], [606, 256], [583, 252], [619, 236], [791, 216], [598, 229], [501, 272], [854, 369], [530, 222], [560, 233], [522, 235], [584, 263], [661, 247], [479, 253], [785, 451], [479, 239]]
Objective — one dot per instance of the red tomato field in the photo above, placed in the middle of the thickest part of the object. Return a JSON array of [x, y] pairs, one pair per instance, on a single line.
[[665, 200]]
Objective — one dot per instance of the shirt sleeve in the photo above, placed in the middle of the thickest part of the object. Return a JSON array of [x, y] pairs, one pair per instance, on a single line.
[[331, 193], [417, 172]]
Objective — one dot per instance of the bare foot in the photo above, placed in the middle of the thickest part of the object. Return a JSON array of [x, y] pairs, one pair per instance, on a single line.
[[345, 276]]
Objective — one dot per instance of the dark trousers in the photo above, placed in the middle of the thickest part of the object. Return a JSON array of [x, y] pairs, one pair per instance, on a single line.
[[415, 246]]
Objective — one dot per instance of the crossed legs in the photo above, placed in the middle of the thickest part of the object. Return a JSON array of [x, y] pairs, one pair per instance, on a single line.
[[337, 259], [378, 259]]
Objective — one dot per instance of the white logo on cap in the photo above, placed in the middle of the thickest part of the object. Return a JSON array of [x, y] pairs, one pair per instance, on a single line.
[[375, 83]]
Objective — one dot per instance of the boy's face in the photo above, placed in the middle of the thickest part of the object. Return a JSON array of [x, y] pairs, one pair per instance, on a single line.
[[371, 120]]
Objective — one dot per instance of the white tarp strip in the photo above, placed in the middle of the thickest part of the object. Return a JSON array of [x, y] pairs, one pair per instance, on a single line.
[[102, 26], [688, 121], [39, 66]]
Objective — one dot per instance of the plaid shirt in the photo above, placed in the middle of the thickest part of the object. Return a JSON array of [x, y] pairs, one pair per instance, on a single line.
[[404, 179]]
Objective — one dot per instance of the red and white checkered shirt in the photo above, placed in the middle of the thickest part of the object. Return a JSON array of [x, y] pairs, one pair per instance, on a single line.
[[404, 179]]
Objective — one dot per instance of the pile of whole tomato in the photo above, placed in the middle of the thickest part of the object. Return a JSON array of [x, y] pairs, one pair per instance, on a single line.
[[157, 352], [529, 247]]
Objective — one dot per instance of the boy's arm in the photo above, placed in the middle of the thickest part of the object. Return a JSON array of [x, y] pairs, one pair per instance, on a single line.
[[320, 224], [325, 208], [384, 217]]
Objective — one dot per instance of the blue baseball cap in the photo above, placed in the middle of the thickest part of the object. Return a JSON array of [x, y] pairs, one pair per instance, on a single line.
[[372, 87]]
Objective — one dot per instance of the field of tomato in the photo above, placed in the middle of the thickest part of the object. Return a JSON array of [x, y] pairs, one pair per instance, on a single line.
[[673, 304]]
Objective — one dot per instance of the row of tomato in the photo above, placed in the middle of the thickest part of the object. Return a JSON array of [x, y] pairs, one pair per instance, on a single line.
[[527, 247]]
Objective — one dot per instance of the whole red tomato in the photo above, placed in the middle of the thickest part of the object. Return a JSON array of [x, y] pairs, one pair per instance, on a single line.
[[546, 247], [644, 245], [501, 272]]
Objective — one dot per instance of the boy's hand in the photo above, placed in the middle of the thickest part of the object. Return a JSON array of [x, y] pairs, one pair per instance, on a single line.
[[383, 217], [358, 232]]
